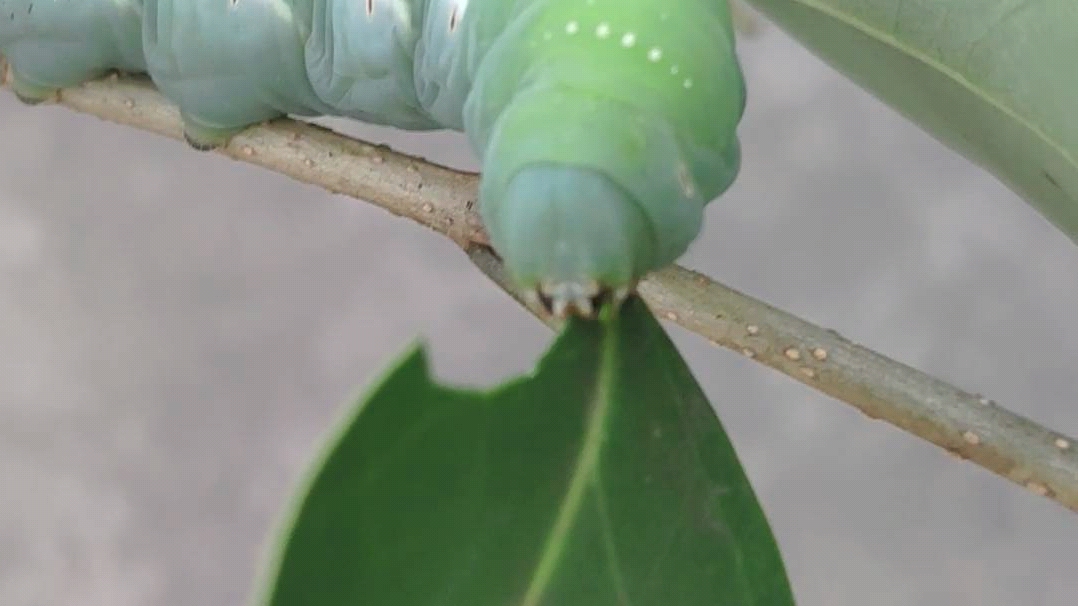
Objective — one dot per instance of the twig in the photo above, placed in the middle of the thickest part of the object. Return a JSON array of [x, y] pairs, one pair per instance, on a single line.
[[965, 424]]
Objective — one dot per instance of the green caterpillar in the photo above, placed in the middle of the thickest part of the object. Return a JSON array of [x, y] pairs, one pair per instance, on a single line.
[[604, 127]]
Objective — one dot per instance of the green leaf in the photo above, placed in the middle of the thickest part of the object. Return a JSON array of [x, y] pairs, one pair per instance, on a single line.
[[604, 478], [995, 80]]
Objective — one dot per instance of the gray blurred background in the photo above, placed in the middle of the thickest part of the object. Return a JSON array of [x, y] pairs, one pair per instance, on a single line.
[[178, 330]]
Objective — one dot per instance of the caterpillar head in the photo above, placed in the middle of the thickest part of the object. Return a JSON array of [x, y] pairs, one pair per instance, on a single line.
[[573, 238]]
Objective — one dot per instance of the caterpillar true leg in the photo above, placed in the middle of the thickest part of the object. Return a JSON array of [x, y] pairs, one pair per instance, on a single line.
[[561, 300]]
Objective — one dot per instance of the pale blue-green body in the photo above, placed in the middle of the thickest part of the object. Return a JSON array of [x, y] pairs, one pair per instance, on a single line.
[[228, 64], [54, 44], [360, 56]]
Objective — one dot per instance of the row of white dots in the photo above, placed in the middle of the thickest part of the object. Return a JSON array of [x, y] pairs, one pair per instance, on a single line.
[[628, 40]]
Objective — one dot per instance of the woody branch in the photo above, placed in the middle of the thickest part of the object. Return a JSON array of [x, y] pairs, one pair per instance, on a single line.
[[966, 424]]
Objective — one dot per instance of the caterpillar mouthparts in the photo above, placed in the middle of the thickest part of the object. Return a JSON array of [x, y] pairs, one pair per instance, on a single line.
[[584, 299]]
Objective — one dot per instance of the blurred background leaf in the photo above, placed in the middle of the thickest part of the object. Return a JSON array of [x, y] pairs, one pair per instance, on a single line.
[[995, 80]]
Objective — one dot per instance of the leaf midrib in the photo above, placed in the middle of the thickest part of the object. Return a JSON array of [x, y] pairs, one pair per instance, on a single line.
[[583, 471]]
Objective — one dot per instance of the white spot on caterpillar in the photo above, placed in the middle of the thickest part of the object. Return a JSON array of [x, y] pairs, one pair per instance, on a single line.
[[628, 40], [687, 83], [674, 69], [602, 31], [572, 27], [655, 54]]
